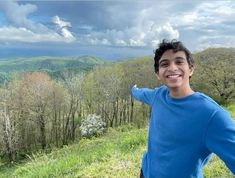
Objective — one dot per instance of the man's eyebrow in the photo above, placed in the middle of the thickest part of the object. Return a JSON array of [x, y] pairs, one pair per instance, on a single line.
[[182, 58], [163, 60]]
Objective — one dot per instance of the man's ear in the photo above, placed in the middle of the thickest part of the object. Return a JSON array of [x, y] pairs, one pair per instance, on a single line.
[[157, 76], [191, 71]]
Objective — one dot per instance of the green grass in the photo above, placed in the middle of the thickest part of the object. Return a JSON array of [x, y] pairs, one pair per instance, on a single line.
[[216, 169], [231, 109], [117, 154]]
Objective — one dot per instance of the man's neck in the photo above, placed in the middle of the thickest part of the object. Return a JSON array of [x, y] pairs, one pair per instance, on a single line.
[[179, 93]]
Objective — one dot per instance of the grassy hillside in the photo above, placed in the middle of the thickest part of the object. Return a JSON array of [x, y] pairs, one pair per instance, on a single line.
[[117, 154]]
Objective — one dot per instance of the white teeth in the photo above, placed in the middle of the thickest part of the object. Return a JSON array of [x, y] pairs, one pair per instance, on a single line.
[[173, 76]]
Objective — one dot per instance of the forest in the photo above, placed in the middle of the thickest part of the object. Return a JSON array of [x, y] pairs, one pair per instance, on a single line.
[[42, 111]]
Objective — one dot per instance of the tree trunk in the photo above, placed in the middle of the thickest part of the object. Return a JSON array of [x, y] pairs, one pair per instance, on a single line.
[[132, 109], [42, 131]]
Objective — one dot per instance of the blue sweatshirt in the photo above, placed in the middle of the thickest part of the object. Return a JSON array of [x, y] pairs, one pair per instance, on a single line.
[[183, 132]]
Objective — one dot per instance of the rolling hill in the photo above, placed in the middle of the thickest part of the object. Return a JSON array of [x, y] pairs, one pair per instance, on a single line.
[[49, 63], [54, 66]]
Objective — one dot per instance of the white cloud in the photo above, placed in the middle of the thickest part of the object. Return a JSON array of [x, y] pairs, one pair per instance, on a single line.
[[63, 28], [217, 8], [189, 18], [205, 14], [56, 20], [146, 35], [207, 24], [215, 42], [22, 29], [66, 33], [17, 15], [145, 24], [13, 34], [164, 31], [120, 42]]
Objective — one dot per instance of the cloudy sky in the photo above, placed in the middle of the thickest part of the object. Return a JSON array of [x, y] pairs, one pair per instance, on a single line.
[[112, 29]]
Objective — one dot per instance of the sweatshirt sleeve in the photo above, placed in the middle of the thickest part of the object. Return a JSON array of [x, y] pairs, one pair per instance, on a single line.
[[220, 138], [145, 95]]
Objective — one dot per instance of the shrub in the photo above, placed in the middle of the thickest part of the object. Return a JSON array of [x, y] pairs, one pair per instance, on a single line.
[[92, 125]]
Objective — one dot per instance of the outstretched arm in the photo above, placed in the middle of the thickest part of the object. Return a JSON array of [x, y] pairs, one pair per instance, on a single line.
[[221, 138], [145, 95]]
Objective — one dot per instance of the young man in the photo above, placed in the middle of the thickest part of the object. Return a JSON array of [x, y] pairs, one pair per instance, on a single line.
[[185, 126]]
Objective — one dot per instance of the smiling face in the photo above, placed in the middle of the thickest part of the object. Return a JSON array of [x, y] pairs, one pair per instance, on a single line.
[[174, 71]]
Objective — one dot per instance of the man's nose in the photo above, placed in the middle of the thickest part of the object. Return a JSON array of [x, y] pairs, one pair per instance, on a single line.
[[172, 66]]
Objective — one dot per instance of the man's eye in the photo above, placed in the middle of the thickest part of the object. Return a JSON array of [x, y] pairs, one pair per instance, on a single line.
[[163, 64], [179, 62]]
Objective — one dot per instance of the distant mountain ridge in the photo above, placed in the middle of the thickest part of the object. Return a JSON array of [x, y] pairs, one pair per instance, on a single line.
[[50, 63]]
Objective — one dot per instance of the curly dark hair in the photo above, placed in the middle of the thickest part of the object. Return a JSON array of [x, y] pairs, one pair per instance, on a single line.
[[175, 46]]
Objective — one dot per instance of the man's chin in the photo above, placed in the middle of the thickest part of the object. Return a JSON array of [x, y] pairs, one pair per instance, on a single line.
[[173, 86]]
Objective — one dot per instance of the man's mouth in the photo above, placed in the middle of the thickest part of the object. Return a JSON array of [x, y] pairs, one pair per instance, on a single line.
[[173, 76]]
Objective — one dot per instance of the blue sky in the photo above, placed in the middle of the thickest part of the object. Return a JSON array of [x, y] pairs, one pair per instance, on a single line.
[[112, 29]]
